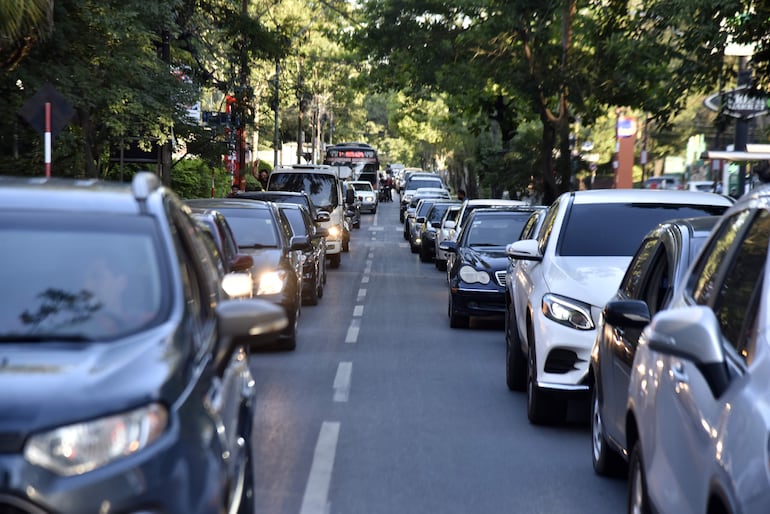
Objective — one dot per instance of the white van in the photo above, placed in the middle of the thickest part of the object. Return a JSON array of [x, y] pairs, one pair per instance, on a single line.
[[324, 186]]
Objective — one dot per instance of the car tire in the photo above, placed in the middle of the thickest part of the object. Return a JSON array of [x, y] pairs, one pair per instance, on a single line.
[[334, 260], [440, 264], [246, 503], [456, 320], [542, 408], [312, 297], [425, 254], [638, 500], [345, 246], [606, 461], [401, 217], [320, 289], [413, 247], [515, 361]]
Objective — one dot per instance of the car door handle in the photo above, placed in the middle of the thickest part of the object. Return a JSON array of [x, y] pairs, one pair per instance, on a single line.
[[677, 371]]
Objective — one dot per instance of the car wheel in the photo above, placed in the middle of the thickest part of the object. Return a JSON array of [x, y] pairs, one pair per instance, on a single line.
[[346, 246], [413, 247], [542, 408], [374, 211], [320, 289], [456, 320], [401, 217], [441, 264], [357, 224], [638, 501], [245, 489], [515, 363], [605, 459], [334, 260], [312, 297]]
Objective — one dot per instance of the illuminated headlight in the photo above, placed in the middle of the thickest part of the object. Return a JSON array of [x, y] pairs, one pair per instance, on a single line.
[[334, 231], [77, 449], [567, 312], [470, 275], [271, 282]]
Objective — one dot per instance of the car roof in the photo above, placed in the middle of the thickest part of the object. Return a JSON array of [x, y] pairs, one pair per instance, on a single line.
[[493, 201], [652, 196], [227, 203]]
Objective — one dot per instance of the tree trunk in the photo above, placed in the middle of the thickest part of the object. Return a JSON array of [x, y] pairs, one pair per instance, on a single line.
[[547, 144]]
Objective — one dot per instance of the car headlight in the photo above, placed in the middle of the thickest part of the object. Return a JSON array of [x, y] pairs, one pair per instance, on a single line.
[[271, 282], [470, 275], [82, 447], [334, 231], [567, 312]]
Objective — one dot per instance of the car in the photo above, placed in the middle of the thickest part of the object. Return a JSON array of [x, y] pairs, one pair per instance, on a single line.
[[442, 234], [430, 224], [107, 410], [214, 224], [655, 271], [415, 182], [367, 196], [708, 186], [466, 208], [516, 381], [352, 213], [277, 254], [566, 275], [314, 256], [664, 182], [409, 213], [415, 222], [697, 398], [477, 275]]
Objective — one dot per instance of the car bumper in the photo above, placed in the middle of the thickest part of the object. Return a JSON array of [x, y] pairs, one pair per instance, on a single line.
[[563, 355], [479, 302]]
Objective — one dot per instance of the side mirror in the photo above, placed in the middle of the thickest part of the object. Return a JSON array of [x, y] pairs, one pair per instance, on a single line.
[[323, 217], [299, 243], [627, 313], [241, 262], [436, 224], [448, 246], [251, 322], [525, 250], [350, 196], [420, 220]]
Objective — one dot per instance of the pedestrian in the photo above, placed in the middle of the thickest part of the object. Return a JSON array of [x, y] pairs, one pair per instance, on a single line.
[[234, 190], [263, 176]]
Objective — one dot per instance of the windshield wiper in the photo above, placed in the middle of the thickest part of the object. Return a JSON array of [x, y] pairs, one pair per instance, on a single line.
[[44, 338]]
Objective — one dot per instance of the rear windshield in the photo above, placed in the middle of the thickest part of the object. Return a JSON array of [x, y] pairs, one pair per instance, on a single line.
[[362, 186], [419, 182], [618, 229], [322, 188], [437, 212], [497, 230]]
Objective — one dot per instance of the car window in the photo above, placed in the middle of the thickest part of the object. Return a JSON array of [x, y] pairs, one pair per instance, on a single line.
[[297, 222], [80, 277], [615, 229], [493, 230], [742, 285], [548, 223], [253, 228], [529, 227], [703, 277], [630, 285]]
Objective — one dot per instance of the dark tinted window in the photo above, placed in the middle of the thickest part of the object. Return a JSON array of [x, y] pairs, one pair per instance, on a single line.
[[417, 183], [436, 212], [322, 188], [496, 230], [252, 227], [298, 222], [616, 229]]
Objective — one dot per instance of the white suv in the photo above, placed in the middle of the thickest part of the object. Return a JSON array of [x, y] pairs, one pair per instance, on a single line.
[[566, 275]]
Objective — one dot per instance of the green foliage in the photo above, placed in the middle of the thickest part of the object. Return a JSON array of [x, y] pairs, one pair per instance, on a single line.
[[191, 178]]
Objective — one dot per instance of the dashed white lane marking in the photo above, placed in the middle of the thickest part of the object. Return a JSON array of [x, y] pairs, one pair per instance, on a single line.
[[364, 280], [403, 245], [315, 500], [342, 381], [361, 293], [352, 335], [358, 311]]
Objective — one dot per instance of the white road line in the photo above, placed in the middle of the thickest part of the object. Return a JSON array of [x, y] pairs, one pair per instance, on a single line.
[[352, 335], [342, 381], [358, 311], [361, 292], [315, 500], [403, 245], [364, 280]]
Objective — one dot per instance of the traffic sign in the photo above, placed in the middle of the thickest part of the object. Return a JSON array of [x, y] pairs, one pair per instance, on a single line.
[[742, 102]]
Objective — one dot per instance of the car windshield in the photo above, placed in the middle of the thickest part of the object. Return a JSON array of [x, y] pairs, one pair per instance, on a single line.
[[322, 188], [420, 182], [253, 228], [362, 186], [79, 279], [615, 229], [494, 230]]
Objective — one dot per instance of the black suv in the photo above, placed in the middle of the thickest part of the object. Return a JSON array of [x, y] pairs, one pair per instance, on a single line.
[[123, 355]]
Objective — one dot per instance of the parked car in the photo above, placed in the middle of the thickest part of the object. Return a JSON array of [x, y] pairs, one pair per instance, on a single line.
[[409, 213], [367, 196], [567, 274], [664, 182], [517, 381], [655, 271], [415, 223], [477, 275], [442, 234], [697, 400], [214, 224], [417, 181], [319, 217], [430, 225], [116, 334], [277, 254], [314, 256], [708, 186]]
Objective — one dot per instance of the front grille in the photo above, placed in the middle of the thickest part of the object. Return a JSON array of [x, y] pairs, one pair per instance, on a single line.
[[500, 278]]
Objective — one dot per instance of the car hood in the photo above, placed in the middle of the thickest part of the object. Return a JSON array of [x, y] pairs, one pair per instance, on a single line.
[[56, 384], [264, 258], [485, 258], [590, 279]]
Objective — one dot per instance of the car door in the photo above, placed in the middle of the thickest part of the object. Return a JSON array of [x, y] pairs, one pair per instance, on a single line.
[[693, 419]]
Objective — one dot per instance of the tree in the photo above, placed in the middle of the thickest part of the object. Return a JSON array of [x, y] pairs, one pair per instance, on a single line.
[[22, 25]]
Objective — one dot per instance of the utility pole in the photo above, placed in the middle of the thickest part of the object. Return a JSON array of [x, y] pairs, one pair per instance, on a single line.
[[276, 106], [242, 95], [300, 102], [742, 124]]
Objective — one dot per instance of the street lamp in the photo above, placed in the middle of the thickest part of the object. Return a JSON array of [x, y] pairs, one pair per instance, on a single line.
[[743, 53]]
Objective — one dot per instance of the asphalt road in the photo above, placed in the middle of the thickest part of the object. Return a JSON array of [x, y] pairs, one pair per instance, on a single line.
[[384, 409]]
